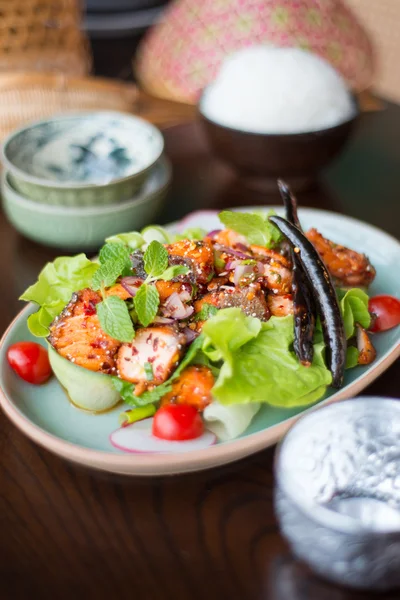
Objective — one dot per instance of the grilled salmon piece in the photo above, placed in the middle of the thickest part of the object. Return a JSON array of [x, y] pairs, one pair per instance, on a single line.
[[167, 288], [76, 334], [199, 254], [280, 305], [277, 274], [210, 298], [193, 386], [347, 267], [261, 251], [228, 237], [250, 299], [118, 290], [155, 350]]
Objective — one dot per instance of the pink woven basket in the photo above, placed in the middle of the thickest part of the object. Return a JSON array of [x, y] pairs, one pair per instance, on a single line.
[[180, 55]]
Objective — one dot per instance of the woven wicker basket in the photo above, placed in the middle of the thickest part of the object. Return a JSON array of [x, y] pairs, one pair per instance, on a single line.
[[381, 19], [43, 35], [27, 97]]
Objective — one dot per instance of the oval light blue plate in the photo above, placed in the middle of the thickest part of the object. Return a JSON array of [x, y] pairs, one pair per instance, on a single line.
[[45, 414]]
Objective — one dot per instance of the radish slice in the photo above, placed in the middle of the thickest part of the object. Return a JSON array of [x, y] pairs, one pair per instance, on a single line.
[[138, 438]]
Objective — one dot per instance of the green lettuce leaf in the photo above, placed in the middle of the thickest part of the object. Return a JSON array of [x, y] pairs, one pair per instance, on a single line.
[[53, 290], [192, 233], [354, 307], [254, 226], [132, 239], [352, 357], [227, 332], [259, 363]]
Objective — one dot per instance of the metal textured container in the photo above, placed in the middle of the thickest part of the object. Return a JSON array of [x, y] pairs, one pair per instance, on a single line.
[[338, 492]]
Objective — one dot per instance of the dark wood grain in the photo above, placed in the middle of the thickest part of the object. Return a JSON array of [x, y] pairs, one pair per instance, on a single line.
[[67, 532]]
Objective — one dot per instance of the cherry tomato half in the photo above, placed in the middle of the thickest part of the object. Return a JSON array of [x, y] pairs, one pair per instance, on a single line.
[[177, 422], [30, 361], [385, 311]]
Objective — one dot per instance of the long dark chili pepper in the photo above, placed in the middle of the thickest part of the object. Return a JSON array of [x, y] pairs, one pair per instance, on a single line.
[[290, 203], [325, 295], [303, 303]]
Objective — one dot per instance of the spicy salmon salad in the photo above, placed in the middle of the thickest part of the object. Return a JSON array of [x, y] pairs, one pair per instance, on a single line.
[[195, 332]]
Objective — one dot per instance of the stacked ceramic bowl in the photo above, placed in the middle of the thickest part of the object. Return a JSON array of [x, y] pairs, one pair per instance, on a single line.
[[73, 180]]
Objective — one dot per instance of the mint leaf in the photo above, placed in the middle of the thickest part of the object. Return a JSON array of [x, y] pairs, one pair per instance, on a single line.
[[146, 301], [254, 227], [115, 320], [174, 271], [155, 259], [113, 252], [108, 273], [126, 391], [206, 312], [115, 261]]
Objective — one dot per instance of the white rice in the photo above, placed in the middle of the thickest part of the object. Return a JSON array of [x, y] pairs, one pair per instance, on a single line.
[[277, 90]]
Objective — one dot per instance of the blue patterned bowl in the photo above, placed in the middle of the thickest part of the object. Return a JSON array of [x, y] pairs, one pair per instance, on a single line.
[[85, 159]]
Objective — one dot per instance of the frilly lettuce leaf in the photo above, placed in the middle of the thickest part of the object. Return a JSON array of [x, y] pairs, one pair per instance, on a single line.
[[55, 285], [259, 363], [227, 332], [352, 357], [354, 307], [255, 227], [132, 239], [192, 233]]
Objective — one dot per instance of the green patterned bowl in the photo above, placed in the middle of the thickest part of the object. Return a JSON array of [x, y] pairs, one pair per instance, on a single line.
[[85, 159], [85, 228]]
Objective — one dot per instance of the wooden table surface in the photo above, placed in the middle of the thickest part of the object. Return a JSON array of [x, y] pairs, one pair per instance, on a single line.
[[67, 532]]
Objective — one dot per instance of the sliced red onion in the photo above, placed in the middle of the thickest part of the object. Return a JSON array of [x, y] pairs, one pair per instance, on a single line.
[[231, 264], [189, 334], [184, 295], [189, 311], [240, 271], [213, 233], [163, 320], [242, 247], [175, 308], [231, 251], [131, 284], [260, 268]]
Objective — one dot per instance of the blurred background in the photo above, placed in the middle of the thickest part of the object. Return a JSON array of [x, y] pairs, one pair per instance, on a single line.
[[155, 58], [173, 48]]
